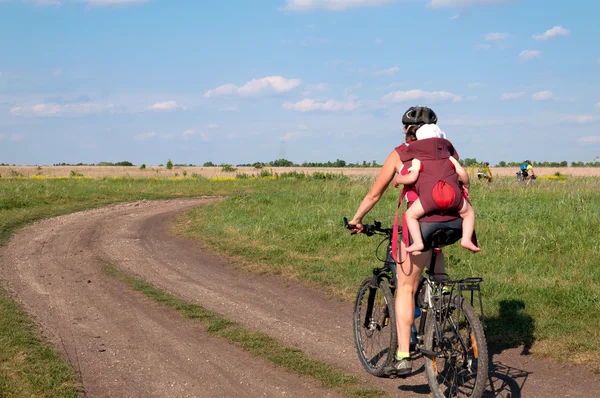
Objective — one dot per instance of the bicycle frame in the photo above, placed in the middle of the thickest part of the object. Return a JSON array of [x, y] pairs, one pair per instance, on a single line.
[[434, 285]]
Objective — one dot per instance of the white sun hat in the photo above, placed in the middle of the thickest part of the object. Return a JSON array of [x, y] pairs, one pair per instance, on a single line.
[[430, 131]]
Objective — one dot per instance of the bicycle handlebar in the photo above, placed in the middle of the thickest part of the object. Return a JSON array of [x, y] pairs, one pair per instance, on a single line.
[[370, 229]]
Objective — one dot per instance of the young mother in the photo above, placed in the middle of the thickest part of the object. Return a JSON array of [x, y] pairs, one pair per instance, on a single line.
[[410, 267]]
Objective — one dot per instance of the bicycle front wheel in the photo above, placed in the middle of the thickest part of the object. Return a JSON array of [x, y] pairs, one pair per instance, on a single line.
[[460, 368], [375, 326]]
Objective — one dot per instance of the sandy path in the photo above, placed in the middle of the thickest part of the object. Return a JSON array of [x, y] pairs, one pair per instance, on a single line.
[[125, 345]]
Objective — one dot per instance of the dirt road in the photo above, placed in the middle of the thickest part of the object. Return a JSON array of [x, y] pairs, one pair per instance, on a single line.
[[123, 345]]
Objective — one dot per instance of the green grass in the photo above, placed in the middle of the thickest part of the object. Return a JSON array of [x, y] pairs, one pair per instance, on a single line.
[[28, 366], [257, 344], [539, 261]]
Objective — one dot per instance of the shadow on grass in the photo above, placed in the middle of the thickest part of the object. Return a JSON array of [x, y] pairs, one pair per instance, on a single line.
[[512, 328]]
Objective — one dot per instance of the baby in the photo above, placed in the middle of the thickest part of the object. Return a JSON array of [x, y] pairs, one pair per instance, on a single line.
[[435, 173]]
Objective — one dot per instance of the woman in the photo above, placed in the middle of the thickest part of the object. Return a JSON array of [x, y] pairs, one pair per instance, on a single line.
[[410, 267]]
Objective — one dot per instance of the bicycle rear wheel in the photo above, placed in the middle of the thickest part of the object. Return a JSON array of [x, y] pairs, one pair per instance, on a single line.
[[375, 326], [461, 369]]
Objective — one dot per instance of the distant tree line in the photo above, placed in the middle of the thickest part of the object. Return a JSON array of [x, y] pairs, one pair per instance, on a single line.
[[564, 163], [473, 162], [467, 162], [289, 163], [124, 163]]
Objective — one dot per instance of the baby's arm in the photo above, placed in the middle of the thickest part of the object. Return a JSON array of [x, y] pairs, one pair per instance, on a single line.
[[411, 177], [462, 173]]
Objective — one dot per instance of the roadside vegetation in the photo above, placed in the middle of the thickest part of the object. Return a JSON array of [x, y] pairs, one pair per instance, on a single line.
[[539, 262]]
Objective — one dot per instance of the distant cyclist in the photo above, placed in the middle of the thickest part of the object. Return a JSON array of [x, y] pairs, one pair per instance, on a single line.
[[527, 171], [484, 172]]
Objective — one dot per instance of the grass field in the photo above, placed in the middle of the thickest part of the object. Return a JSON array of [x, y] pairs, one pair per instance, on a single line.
[[539, 261]]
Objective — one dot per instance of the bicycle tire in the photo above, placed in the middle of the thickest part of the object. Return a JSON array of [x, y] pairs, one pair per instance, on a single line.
[[375, 334], [465, 375]]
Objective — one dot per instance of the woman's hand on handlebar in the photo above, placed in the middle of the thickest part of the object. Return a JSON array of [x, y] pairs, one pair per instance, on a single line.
[[355, 225]]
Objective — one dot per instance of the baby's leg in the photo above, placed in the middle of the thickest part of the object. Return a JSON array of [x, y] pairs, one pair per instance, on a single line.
[[414, 212], [468, 226]]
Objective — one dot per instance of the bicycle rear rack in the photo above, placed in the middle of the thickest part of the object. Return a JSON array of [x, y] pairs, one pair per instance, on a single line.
[[467, 285]]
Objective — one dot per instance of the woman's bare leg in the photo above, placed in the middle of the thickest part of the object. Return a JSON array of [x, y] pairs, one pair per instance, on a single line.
[[409, 273], [468, 226], [414, 212]]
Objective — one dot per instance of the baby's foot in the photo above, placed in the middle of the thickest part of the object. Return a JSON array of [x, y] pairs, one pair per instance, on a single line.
[[415, 248], [468, 245]]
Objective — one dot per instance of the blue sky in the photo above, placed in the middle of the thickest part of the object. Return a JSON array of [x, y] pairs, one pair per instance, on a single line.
[[240, 81]]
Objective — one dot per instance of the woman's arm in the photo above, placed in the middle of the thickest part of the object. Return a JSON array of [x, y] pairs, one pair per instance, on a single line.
[[385, 176]]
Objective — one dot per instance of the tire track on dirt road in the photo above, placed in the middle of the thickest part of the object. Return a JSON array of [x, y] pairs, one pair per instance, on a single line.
[[122, 344]]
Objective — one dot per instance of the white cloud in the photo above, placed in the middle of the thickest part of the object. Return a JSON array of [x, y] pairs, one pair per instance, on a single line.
[[53, 109], [95, 3], [528, 55], [308, 105], [496, 36], [542, 96], [475, 85], [598, 106], [482, 46], [101, 3], [420, 95], [509, 96], [188, 134], [555, 31], [466, 3], [145, 136], [387, 72], [255, 87], [580, 119], [588, 139], [213, 126], [14, 137], [331, 5], [228, 109], [45, 2], [166, 106], [291, 136], [348, 90]]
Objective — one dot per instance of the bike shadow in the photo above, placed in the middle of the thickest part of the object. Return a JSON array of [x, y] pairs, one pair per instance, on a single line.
[[511, 328]]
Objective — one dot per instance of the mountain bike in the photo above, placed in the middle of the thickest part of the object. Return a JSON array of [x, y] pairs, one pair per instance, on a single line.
[[522, 178], [450, 334]]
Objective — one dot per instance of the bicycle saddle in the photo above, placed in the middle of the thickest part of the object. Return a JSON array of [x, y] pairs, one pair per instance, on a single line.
[[436, 234]]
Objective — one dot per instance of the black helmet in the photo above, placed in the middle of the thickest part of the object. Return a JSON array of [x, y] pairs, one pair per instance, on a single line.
[[418, 115]]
